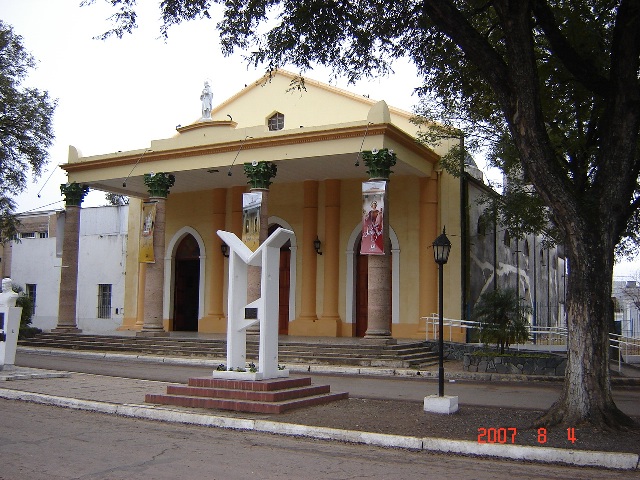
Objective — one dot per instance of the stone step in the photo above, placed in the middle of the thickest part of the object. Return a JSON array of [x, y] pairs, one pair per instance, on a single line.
[[290, 351], [264, 396]]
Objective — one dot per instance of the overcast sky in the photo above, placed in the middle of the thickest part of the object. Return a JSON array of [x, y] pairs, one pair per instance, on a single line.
[[121, 94]]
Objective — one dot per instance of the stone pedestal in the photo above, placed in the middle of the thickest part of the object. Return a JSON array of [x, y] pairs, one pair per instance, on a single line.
[[446, 404]]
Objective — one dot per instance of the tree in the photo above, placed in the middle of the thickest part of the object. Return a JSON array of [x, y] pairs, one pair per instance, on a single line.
[[503, 318], [558, 79], [26, 131], [116, 200]]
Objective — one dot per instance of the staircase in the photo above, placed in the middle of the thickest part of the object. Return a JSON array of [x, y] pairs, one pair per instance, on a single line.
[[291, 351]]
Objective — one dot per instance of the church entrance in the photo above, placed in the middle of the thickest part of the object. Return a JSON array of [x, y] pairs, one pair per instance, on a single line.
[[186, 285], [285, 284]]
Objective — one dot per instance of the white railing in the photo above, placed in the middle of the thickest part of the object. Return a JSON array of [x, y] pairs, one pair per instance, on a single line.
[[433, 326], [625, 345]]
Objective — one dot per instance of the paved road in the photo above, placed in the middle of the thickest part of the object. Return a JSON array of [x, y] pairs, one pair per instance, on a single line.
[[517, 395], [43, 442]]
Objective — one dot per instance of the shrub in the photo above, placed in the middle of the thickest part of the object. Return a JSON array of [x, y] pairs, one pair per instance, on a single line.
[[24, 301], [503, 318]]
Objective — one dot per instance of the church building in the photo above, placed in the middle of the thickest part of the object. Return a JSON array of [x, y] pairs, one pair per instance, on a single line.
[[312, 155]]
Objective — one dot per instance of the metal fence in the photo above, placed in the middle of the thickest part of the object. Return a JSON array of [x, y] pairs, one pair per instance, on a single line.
[[551, 337]]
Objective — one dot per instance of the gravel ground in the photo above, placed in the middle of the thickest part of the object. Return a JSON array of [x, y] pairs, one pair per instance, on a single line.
[[409, 418]]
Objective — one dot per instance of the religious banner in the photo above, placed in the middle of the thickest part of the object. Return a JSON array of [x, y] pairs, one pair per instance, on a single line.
[[373, 241], [251, 204], [146, 235]]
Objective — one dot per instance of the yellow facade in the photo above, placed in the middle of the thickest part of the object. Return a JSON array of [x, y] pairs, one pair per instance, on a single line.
[[316, 193]]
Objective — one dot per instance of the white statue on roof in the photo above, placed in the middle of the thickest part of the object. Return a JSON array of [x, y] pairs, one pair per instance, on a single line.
[[207, 101]]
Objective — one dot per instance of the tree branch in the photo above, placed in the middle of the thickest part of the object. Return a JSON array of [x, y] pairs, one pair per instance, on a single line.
[[453, 23], [584, 71]]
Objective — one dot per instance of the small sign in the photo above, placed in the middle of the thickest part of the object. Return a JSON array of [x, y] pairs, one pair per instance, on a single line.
[[251, 313]]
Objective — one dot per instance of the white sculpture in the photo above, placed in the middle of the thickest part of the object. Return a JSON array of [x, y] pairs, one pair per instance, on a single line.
[[8, 297], [9, 324], [207, 101], [264, 310]]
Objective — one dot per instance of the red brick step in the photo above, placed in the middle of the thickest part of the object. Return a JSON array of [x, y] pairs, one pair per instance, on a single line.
[[265, 396]]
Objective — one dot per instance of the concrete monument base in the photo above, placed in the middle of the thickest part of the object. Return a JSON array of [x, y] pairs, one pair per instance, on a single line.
[[435, 404]]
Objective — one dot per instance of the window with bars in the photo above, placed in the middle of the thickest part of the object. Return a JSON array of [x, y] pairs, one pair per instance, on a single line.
[[31, 293], [276, 122], [104, 300]]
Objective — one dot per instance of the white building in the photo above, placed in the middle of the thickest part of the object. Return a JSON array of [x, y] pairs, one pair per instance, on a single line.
[[34, 263], [627, 295]]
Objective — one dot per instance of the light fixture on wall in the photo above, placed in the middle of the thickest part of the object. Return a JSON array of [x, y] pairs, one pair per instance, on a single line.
[[224, 248], [317, 245]]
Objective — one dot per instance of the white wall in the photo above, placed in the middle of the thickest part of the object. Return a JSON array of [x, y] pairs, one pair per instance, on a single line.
[[33, 260], [103, 238]]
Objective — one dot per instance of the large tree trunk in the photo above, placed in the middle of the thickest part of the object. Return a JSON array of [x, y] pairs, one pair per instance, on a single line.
[[586, 394]]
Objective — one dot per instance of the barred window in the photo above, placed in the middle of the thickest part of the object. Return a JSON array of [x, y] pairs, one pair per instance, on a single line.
[[43, 234], [31, 293], [104, 300], [276, 122]]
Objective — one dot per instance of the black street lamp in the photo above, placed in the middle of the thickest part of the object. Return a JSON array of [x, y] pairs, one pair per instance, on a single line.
[[441, 249]]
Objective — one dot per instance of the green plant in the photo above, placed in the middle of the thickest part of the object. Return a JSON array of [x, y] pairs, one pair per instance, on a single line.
[[26, 302], [253, 368], [503, 318], [221, 368]]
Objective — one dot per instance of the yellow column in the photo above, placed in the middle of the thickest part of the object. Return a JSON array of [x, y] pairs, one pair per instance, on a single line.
[[309, 255], [428, 233], [331, 257], [216, 282]]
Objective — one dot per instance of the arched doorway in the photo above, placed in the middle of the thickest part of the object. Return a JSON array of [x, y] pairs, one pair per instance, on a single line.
[[285, 284], [186, 296]]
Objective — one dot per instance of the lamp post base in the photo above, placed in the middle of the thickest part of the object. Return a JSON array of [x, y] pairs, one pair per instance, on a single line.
[[436, 404]]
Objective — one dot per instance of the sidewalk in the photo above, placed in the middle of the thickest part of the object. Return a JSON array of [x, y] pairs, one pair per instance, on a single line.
[[383, 422]]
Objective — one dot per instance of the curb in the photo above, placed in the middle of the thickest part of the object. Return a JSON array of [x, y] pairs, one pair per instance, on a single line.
[[323, 369], [582, 458]]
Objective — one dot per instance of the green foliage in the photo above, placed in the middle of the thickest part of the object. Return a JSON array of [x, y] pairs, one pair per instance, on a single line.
[[24, 301], [25, 127], [116, 200], [503, 318]]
